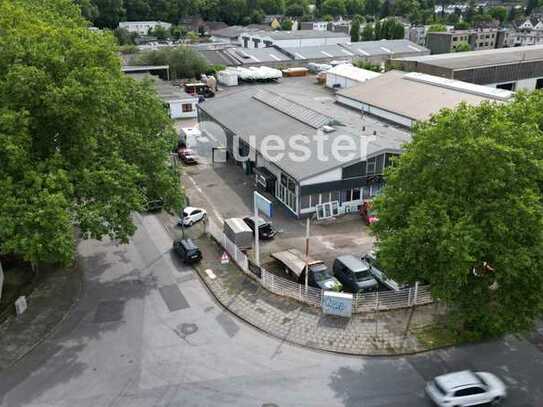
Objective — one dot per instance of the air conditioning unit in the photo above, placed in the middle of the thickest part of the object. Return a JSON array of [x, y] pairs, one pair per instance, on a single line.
[[328, 129]]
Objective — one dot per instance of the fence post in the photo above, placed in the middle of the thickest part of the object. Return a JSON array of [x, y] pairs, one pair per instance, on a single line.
[[416, 293], [409, 297]]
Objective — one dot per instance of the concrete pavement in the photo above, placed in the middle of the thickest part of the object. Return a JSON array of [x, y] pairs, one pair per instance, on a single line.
[[147, 333]]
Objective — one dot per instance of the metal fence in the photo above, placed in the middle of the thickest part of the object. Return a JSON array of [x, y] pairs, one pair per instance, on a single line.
[[362, 302]]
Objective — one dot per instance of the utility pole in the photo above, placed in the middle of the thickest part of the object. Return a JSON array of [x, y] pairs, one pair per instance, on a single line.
[[412, 311], [307, 230], [257, 243]]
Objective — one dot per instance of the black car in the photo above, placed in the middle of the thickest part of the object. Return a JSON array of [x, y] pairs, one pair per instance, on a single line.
[[265, 230], [187, 250], [354, 274]]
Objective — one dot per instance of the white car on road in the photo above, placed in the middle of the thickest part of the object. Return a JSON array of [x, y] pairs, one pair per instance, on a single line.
[[191, 215], [466, 388]]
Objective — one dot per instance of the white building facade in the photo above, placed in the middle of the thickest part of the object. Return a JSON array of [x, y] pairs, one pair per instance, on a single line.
[[143, 27]]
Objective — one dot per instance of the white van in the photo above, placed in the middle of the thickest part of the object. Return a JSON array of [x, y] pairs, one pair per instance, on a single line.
[[189, 136]]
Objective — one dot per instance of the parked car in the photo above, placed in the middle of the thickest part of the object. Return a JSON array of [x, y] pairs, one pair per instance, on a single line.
[[354, 274], [187, 250], [191, 215], [265, 230], [466, 388], [187, 156], [318, 275], [377, 272]]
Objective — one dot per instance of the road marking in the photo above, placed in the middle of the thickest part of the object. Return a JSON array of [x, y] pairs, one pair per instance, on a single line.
[[210, 274], [215, 212]]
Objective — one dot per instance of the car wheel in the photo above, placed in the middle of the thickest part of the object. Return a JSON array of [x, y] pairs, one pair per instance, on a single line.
[[496, 401]]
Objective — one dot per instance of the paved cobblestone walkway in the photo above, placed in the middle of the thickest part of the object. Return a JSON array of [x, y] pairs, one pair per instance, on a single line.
[[291, 321]]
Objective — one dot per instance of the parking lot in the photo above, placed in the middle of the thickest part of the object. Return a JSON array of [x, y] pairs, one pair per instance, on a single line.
[[225, 191]]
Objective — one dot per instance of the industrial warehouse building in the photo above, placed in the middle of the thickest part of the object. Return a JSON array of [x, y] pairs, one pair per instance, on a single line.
[[505, 68], [285, 54], [405, 98], [262, 39], [324, 183]]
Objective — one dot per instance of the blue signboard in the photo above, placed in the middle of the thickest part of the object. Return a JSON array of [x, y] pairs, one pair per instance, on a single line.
[[263, 204], [340, 304]]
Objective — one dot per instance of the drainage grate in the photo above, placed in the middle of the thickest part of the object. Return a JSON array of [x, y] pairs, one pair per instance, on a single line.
[[109, 311]]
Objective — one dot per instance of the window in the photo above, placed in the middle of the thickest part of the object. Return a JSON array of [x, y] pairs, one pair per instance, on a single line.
[[469, 391], [186, 107], [356, 194], [370, 167]]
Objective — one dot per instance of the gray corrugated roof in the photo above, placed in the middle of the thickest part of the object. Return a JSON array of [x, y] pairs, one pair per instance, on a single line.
[[415, 100], [299, 34], [316, 52], [491, 57], [245, 116], [232, 31], [384, 47], [217, 57], [257, 55], [295, 110]]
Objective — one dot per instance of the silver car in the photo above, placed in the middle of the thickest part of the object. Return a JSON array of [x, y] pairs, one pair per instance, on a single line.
[[466, 388]]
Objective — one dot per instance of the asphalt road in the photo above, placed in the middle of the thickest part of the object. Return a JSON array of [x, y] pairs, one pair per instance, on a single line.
[[147, 333]]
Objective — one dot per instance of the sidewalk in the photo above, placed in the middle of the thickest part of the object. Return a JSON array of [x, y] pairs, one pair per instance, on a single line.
[[294, 322], [52, 298]]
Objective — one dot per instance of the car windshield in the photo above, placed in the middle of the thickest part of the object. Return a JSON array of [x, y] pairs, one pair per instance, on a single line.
[[438, 387], [481, 378], [321, 275], [362, 275]]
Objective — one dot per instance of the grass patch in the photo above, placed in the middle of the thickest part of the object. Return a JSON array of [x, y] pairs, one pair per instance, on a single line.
[[437, 336]]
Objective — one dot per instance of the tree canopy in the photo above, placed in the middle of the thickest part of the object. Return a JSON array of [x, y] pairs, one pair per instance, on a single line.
[[183, 61], [462, 209], [81, 143]]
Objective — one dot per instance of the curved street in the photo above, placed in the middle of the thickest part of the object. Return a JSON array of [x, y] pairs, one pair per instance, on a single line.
[[148, 333]]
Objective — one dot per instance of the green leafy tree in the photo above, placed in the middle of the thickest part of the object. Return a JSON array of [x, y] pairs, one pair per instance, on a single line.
[[159, 32], [367, 33], [354, 7], [373, 7], [462, 25], [405, 7], [335, 8], [184, 62], [257, 17], [498, 13], [437, 28], [295, 10], [355, 30], [88, 9], [462, 46], [386, 9], [286, 25], [272, 6], [110, 12], [137, 10], [124, 37], [360, 63], [462, 210], [82, 144], [192, 36]]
